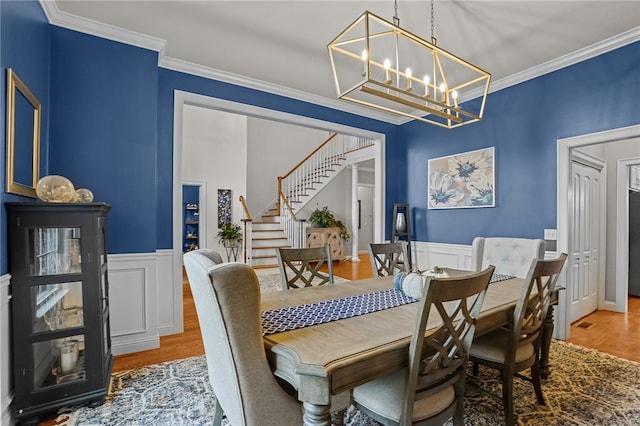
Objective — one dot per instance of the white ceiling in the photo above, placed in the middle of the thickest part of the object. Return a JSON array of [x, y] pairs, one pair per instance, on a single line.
[[281, 46]]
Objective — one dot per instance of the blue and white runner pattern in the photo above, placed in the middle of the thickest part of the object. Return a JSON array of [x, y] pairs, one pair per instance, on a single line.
[[293, 317], [500, 277], [299, 316]]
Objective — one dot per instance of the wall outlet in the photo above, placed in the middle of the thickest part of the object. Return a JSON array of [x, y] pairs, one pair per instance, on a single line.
[[551, 234]]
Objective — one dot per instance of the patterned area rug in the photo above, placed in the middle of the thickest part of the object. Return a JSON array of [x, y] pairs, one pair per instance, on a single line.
[[586, 387]]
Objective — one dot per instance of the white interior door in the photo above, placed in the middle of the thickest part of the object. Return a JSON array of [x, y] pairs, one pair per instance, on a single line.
[[584, 261]]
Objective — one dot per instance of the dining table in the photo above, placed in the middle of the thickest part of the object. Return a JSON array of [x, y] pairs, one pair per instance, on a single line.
[[327, 359]]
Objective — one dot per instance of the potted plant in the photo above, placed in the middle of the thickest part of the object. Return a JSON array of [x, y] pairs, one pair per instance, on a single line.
[[229, 234], [324, 218]]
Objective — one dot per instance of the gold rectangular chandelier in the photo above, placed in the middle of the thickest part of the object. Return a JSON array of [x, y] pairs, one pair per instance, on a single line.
[[381, 65]]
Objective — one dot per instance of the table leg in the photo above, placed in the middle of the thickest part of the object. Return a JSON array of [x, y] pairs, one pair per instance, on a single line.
[[316, 415], [545, 344]]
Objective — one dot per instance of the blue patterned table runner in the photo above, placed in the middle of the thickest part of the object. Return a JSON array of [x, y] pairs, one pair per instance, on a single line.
[[299, 316], [293, 317]]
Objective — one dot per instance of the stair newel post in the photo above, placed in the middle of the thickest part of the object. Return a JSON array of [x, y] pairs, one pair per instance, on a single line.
[[279, 195], [247, 246]]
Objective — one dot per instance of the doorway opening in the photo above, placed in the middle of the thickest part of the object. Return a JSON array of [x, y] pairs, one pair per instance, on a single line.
[[619, 290]]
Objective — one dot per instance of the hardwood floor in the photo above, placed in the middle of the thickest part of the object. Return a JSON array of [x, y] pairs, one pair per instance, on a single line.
[[611, 332]]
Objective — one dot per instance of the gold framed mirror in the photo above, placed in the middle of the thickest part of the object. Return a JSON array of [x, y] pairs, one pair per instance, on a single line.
[[23, 137]]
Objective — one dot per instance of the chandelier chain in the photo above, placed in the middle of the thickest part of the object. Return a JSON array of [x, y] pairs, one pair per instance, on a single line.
[[432, 20], [396, 20]]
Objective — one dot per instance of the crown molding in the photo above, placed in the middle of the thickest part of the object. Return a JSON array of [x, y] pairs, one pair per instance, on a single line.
[[98, 29], [569, 59], [239, 80], [88, 26]]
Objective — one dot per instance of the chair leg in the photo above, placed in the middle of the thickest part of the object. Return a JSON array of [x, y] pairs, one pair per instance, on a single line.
[[218, 414], [537, 386], [507, 398], [475, 369]]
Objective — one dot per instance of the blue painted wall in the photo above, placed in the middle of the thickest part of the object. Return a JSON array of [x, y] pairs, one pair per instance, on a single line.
[[523, 123], [24, 47], [103, 130]]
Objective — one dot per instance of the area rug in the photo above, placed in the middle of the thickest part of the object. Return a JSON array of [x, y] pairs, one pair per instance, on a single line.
[[586, 387]]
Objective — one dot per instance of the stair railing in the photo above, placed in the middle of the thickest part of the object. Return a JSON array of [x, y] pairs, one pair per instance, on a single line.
[[294, 229], [316, 166], [247, 232]]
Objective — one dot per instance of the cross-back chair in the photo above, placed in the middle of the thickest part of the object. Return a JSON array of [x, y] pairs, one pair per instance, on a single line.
[[516, 348], [300, 267], [388, 258], [431, 389]]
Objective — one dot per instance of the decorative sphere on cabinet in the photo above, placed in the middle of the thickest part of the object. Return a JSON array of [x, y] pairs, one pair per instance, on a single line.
[[55, 189], [83, 195]]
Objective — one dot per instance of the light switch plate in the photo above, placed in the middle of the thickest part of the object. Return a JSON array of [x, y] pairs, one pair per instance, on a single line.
[[550, 234]]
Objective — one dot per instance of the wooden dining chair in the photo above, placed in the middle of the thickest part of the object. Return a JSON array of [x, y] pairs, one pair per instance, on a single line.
[[431, 389], [388, 258], [517, 347], [227, 300], [301, 267]]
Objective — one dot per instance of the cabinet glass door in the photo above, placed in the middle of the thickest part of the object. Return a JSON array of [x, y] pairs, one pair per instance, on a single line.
[[57, 307], [54, 251]]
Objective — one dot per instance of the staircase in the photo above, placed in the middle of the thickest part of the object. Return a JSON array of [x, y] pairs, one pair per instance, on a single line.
[[267, 235], [279, 227]]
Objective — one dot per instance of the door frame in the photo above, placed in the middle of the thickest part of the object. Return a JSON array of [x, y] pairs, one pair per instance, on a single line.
[[622, 231], [563, 167], [182, 98]]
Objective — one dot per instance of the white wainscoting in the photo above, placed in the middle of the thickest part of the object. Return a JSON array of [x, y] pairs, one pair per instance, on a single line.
[[427, 255], [6, 390], [133, 297], [169, 296]]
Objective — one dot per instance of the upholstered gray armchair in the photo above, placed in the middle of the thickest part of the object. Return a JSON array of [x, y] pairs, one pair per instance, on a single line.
[[510, 256], [227, 299]]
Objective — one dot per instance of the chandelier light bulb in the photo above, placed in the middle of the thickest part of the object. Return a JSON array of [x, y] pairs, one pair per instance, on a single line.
[[387, 67], [454, 94], [408, 75], [442, 87], [426, 80], [365, 55]]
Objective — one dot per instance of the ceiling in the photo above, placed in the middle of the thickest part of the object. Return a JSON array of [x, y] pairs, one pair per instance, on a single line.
[[281, 46]]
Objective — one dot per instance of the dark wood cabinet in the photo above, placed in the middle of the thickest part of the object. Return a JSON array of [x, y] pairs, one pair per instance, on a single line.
[[60, 305]]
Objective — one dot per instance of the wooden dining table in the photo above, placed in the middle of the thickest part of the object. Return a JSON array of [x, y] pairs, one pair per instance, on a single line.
[[329, 359]]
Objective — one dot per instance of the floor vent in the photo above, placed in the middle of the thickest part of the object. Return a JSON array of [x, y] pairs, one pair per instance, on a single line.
[[586, 325]]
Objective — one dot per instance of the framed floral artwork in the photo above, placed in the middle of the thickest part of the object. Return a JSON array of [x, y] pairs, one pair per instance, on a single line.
[[465, 180], [224, 207]]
